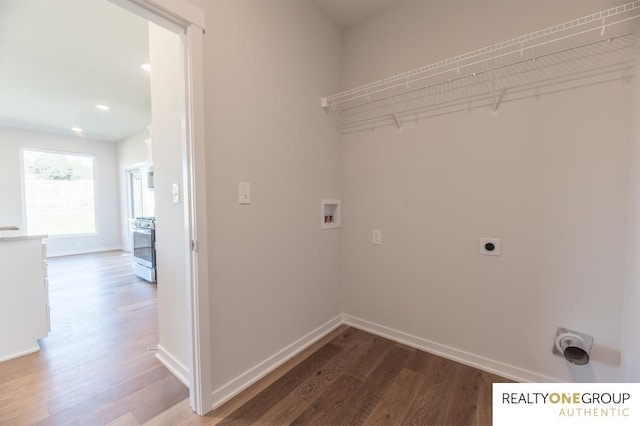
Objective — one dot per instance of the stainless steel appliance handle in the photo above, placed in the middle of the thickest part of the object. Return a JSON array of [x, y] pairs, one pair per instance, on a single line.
[[143, 231]]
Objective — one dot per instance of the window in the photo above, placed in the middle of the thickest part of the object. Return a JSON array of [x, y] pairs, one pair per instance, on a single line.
[[141, 201], [59, 193]]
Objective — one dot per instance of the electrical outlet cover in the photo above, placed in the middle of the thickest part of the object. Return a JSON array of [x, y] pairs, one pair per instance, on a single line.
[[490, 246], [376, 237]]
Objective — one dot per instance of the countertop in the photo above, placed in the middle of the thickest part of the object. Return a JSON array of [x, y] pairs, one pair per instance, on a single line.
[[13, 235]]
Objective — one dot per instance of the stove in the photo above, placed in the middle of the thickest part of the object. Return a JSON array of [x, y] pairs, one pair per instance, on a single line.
[[143, 253]]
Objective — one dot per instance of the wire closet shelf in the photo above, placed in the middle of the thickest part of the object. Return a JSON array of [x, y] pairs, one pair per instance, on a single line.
[[599, 47]]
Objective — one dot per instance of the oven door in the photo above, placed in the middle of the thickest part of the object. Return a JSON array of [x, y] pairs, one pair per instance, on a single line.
[[143, 247]]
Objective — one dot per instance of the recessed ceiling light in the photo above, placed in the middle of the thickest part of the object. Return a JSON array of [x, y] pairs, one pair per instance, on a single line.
[[102, 107], [76, 129], [146, 67]]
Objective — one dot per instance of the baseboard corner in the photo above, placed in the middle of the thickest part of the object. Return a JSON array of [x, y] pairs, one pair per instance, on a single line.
[[173, 365], [235, 386]]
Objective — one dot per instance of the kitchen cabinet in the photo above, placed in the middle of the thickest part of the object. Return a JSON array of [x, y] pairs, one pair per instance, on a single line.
[[24, 294]]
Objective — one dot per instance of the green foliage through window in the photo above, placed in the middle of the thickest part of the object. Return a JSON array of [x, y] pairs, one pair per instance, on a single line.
[[59, 193], [46, 165]]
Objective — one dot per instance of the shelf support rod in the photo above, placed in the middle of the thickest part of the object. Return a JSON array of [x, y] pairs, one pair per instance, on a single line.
[[395, 113], [494, 95], [637, 52], [333, 114]]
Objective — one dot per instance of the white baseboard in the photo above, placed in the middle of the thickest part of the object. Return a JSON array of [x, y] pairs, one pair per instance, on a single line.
[[482, 363], [60, 253], [173, 365], [21, 353], [240, 383]]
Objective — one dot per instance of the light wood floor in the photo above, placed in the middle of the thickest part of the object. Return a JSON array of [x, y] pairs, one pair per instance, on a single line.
[[95, 369], [95, 366]]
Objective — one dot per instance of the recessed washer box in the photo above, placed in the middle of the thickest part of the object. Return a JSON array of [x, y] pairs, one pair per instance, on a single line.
[[330, 214], [490, 246]]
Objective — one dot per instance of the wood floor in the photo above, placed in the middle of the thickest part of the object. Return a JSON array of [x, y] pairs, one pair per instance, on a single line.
[[358, 378], [352, 378], [95, 368]]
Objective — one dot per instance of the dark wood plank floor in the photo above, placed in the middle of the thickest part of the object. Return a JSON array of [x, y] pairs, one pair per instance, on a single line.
[[95, 367], [358, 378]]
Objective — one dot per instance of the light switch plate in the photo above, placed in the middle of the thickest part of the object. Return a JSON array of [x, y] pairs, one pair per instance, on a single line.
[[175, 191], [244, 193]]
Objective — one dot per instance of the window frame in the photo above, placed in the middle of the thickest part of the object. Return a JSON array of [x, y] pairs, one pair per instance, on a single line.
[[23, 190]]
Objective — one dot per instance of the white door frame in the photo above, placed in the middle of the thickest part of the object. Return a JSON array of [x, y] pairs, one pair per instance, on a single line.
[[182, 17]]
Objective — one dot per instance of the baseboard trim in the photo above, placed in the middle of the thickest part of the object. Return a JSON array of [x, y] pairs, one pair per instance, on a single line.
[[173, 365], [467, 358], [60, 253], [21, 353], [248, 378], [242, 382]]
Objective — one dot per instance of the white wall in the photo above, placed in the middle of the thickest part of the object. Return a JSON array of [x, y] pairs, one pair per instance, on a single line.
[[631, 340], [548, 176], [275, 276], [167, 100], [107, 201], [132, 152]]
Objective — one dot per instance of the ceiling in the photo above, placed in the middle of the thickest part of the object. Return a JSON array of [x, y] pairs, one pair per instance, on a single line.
[[60, 58], [348, 12]]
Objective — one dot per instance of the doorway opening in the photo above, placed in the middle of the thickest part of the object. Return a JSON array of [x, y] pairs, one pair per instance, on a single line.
[[179, 183], [183, 320]]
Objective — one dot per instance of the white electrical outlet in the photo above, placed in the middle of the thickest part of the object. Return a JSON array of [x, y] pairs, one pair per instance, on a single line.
[[244, 193], [376, 237], [490, 246]]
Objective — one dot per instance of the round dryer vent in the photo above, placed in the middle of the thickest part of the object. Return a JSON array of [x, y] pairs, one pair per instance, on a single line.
[[574, 346]]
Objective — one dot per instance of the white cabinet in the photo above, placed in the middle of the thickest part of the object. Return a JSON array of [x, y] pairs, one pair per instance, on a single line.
[[24, 295]]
